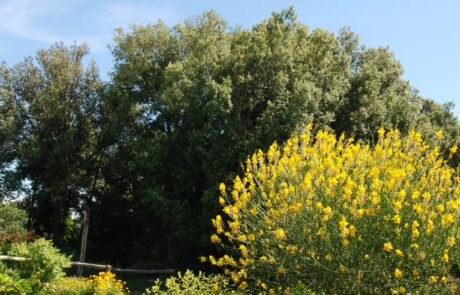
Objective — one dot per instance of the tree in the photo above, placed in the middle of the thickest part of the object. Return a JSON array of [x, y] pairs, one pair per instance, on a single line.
[[51, 139]]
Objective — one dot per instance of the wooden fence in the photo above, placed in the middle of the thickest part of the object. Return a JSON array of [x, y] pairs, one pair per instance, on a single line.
[[104, 267]]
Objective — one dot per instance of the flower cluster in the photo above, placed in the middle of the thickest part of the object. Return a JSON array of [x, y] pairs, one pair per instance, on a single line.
[[107, 283], [70, 286], [104, 283], [342, 217]]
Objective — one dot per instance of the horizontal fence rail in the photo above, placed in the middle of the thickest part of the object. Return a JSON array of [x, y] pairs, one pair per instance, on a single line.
[[105, 267]]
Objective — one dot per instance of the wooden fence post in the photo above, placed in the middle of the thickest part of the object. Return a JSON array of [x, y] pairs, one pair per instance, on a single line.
[[84, 239]]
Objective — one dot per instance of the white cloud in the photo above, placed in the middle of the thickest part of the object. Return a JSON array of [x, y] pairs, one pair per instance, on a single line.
[[28, 18], [18, 17]]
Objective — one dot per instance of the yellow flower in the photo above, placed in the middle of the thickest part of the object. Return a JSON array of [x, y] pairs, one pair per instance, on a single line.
[[327, 210], [398, 252], [433, 280], [222, 188], [398, 273], [215, 288], [440, 208], [397, 205], [439, 134], [445, 256], [343, 223], [319, 205], [215, 239], [447, 219], [244, 250], [396, 219], [280, 234], [388, 247]]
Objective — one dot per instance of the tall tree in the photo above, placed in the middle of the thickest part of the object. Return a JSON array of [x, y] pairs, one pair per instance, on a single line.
[[51, 107]]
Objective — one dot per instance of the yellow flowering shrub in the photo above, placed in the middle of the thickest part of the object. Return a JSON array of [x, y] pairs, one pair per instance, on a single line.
[[104, 283], [342, 217]]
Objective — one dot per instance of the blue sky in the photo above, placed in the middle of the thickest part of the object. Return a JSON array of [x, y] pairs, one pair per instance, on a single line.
[[424, 35]]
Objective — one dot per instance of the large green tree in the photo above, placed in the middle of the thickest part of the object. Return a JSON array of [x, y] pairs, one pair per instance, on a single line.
[[50, 136]]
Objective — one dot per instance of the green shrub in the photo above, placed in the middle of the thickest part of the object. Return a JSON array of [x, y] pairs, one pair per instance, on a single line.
[[11, 283], [191, 284], [343, 218], [45, 263]]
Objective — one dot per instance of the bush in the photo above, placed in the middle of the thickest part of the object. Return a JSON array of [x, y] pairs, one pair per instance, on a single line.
[[45, 263], [69, 286], [343, 218], [105, 283], [191, 284], [11, 283]]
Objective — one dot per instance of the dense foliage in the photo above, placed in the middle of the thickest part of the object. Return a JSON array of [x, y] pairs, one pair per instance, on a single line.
[[183, 108], [343, 218]]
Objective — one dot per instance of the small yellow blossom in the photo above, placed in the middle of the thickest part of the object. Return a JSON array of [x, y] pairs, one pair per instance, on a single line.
[[222, 188], [397, 205], [439, 134], [280, 234], [215, 239], [445, 257], [433, 280], [447, 219], [444, 280], [388, 247], [398, 273]]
